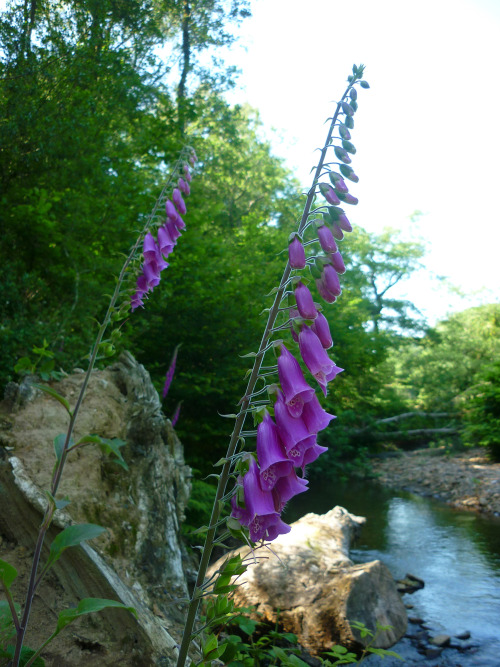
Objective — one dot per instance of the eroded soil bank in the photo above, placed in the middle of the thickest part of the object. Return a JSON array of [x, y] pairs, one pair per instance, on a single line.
[[466, 480]]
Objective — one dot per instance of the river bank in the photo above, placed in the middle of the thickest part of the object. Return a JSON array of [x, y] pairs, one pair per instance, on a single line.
[[466, 480]]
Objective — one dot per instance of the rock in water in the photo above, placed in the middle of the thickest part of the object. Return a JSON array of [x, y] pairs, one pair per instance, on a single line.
[[312, 588]]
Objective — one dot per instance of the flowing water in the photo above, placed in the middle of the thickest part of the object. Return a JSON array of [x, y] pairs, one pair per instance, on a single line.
[[456, 553]]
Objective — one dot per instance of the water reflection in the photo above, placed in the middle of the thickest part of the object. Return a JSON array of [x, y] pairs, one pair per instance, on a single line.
[[456, 553]]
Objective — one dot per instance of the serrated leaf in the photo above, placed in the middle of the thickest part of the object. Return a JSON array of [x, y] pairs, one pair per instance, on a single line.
[[54, 394], [88, 606], [7, 573], [72, 536]]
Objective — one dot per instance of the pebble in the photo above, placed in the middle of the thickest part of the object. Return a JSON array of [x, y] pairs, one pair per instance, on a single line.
[[440, 640], [464, 634]]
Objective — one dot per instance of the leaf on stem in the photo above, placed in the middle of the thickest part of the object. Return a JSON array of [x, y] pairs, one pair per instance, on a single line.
[[71, 536], [7, 573], [54, 394], [87, 606]]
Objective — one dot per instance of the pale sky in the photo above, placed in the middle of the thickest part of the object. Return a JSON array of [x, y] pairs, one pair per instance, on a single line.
[[427, 133]]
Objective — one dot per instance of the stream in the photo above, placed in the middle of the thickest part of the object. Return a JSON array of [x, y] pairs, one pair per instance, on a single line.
[[456, 553]]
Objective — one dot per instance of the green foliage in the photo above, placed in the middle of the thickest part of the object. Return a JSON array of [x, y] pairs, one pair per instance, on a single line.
[[481, 408], [7, 574], [71, 536], [87, 606]]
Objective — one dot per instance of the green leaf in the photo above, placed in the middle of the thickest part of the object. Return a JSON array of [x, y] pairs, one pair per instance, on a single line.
[[7, 573], [54, 394], [107, 445], [59, 441], [246, 624], [71, 537], [87, 606], [210, 645], [26, 654], [24, 365]]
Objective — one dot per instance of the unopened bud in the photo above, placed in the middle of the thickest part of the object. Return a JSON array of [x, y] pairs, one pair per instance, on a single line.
[[348, 198], [353, 94], [326, 239], [349, 122], [354, 105], [337, 262], [348, 172], [342, 155], [296, 254], [343, 223], [347, 109], [337, 232], [329, 194], [344, 132], [364, 84], [350, 148]]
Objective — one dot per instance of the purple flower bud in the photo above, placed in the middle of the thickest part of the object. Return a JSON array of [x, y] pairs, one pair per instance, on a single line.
[[312, 454], [342, 155], [329, 194], [171, 210], [135, 302], [288, 487], [179, 223], [324, 293], [165, 242], [175, 417], [271, 454], [259, 514], [152, 274], [172, 230], [337, 232], [305, 303], [142, 284], [347, 109], [187, 173], [179, 201], [170, 373], [326, 239], [347, 146], [150, 249], [296, 254], [292, 381], [315, 418], [344, 223], [348, 173], [321, 328], [340, 186], [183, 186], [337, 262], [344, 132], [331, 280], [292, 430], [316, 359], [348, 198]]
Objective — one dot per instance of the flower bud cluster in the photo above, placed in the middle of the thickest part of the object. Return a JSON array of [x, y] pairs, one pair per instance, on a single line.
[[288, 442], [156, 250]]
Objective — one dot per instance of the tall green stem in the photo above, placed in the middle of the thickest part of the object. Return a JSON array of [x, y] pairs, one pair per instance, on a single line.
[[56, 479], [235, 436]]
